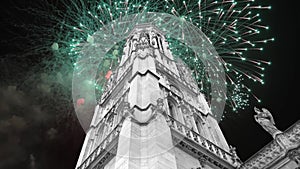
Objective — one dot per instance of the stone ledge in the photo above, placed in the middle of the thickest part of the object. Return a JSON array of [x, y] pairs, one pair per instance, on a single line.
[[276, 150]]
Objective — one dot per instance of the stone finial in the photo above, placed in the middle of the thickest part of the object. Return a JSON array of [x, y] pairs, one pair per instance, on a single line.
[[235, 157]]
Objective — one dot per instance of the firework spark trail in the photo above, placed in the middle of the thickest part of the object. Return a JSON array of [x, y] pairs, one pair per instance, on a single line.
[[233, 28]]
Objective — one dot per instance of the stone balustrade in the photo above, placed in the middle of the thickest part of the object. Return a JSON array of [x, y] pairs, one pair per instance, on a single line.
[[200, 140]]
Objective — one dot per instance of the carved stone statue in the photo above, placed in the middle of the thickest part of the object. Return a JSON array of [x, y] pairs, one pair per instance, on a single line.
[[187, 118], [126, 110], [160, 105], [265, 119]]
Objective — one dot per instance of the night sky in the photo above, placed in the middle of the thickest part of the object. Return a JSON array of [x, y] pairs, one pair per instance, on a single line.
[[37, 135]]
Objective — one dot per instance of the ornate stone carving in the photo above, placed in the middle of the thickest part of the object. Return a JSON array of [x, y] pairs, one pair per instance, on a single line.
[[235, 157], [154, 39], [271, 152], [127, 112], [186, 74], [276, 150], [265, 119], [154, 110], [201, 116], [203, 161], [144, 39], [295, 156], [160, 105], [187, 118], [158, 109], [176, 91]]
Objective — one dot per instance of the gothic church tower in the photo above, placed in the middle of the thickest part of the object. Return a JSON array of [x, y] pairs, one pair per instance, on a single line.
[[152, 115]]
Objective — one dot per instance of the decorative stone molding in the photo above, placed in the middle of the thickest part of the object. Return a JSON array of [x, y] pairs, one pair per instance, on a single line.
[[176, 91], [127, 112], [203, 161], [294, 155], [276, 150]]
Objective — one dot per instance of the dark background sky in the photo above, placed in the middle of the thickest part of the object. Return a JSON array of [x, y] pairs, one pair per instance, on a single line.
[[280, 94], [31, 138]]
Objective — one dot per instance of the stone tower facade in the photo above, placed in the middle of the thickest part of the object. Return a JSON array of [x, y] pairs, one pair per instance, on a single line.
[[152, 115]]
